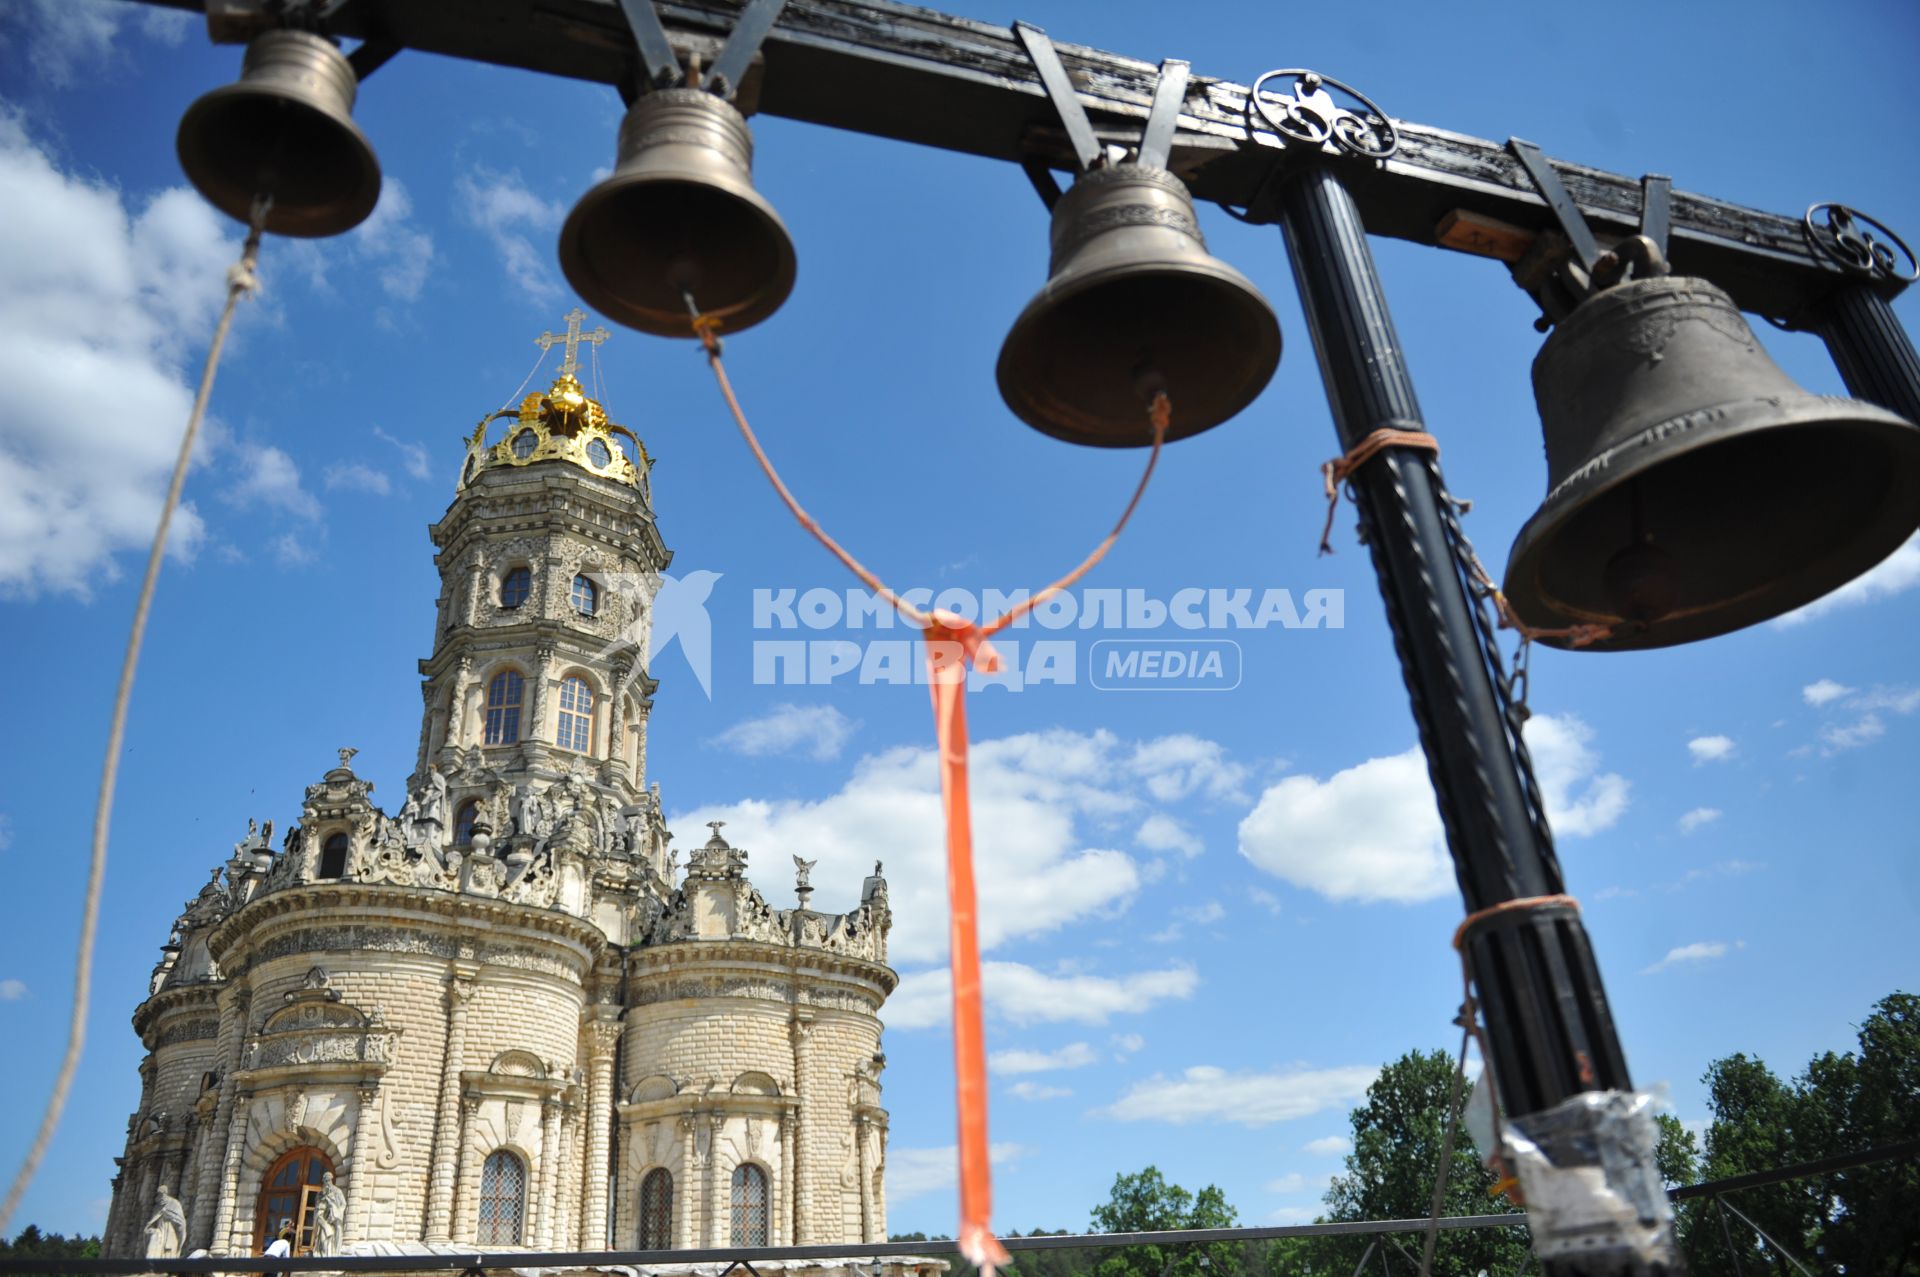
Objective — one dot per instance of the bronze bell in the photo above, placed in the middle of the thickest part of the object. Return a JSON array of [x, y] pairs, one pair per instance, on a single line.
[[286, 130], [679, 215], [1693, 487], [1135, 304]]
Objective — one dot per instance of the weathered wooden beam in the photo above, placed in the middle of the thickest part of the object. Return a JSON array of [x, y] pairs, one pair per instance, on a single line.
[[900, 71]]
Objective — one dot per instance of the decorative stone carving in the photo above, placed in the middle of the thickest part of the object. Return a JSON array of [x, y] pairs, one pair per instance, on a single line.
[[166, 1231]]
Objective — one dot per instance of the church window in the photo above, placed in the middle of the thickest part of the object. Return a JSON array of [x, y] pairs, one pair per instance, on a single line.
[[463, 822], [503, 1200], [586, 597], [599, 454], [576, 715], [289, 1191], [515, 586], [333, 857], [656, 1210], [466, 476], [503, 707], [523, 444], [749, 1205]]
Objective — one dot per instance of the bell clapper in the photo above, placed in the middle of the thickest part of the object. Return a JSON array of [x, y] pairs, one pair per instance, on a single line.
[[1640, 580]]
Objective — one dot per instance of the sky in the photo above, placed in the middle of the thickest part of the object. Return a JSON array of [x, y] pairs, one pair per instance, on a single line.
[[1208, 915]]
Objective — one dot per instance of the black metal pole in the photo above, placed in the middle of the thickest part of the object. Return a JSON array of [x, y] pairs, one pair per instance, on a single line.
[[1550, 1033], [1874, 354]]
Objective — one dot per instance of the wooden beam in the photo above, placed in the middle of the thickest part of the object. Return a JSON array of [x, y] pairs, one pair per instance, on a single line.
[[899, 71]]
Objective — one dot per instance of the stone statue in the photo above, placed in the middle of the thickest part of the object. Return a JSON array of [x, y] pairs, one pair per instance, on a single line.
[[167, 1230], [329, 1213], [409, 817], [346, 758], [433, 807], [804, 867]]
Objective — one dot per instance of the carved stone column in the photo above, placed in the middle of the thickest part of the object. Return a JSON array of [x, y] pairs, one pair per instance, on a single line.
[[802, 1074], [549, 1170], [783, 1187], [570, 1185], [229, 1182], [359, 1188], [455, 732], [470, 603], [206, 1188], [616, 715], [466, 1204], [446, 1125], [536, 729], [683, 1181], [604, 1036], [716, 1201], [861, 1161]]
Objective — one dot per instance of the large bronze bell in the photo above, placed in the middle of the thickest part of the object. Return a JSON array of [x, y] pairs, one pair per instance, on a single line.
[[679, 216], [286, 130], [1135, 304], [1693, 487]]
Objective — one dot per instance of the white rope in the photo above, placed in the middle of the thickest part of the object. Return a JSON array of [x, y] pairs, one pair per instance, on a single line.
[[240, 281], [514, 398]]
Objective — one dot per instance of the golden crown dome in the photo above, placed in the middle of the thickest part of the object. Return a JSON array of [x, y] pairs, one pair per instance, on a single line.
[[562, 423]]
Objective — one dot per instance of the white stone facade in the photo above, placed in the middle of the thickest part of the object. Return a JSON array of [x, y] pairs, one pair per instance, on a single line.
[[497, 1013]]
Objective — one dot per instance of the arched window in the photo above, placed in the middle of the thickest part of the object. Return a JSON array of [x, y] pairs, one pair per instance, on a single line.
[[333, 857], [288, 1192], [466, 476], [463, 822], [585, 596], [523, 444], [515, 586], [503, 707], [656, 1210], [503, 1200], [576, 715], [749, 1205]]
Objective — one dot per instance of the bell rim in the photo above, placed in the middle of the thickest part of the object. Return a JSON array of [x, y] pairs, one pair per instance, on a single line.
[[282, 219], [1025, 408], [737, 318], [1560, 506]]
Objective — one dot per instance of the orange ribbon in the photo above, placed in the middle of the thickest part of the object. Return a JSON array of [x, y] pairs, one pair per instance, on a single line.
[[953, 645]]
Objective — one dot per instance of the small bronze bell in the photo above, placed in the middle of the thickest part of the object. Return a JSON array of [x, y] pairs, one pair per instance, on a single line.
[[679, 215], [1135, 304], [1693, 487], [285, 130]]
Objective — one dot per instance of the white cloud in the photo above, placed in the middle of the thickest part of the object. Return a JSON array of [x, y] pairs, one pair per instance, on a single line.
[[1127, 1043], [1710, 749], [413, 456], [1019, 994], [291, 550], [1864, 730], [12, 990], [68, 36], [1290, 1183], [1072, 1056], [1823, 691], [1202, 914], [1690, 954], [915, 1172], [1037, 1091], [1161, 832], [817, 731], [393, 245], [1581, 800], [106, 303], [268, 477], [1204, 1093], [1265, 899], [501, 205], [1036, 871], [1175, 766], [1896, 574], [1329, 1146], [1697, 817], [1370, 832], [358, 477], [1901, 700]]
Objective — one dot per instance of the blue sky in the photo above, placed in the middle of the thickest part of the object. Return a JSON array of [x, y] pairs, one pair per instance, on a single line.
[[1209, 917]]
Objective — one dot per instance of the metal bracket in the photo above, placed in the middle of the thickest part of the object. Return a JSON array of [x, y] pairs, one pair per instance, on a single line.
[[1163, 118], [656, 50], [1059, 87], [1547, 181], [1310, 117], [1656, 209], [1845, 236], [748, 34]]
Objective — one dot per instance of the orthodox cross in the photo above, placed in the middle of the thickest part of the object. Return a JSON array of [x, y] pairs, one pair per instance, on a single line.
[[571, 364]]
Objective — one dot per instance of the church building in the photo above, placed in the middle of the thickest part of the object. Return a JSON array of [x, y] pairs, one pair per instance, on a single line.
[[506, 1015]]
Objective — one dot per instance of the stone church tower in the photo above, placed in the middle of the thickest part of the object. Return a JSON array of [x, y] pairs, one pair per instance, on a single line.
[[503, 1016]]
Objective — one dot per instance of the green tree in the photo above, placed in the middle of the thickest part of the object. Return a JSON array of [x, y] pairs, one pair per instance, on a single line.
[[1397, 1136], [32, 1244], [1146, 1203]]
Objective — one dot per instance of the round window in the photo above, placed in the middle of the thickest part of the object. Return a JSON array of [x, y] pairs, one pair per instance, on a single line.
[[523, 444], [598, 453]]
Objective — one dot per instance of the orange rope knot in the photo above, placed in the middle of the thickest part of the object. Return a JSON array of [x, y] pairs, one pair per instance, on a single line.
[[1337, 471], [1519, 905]]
